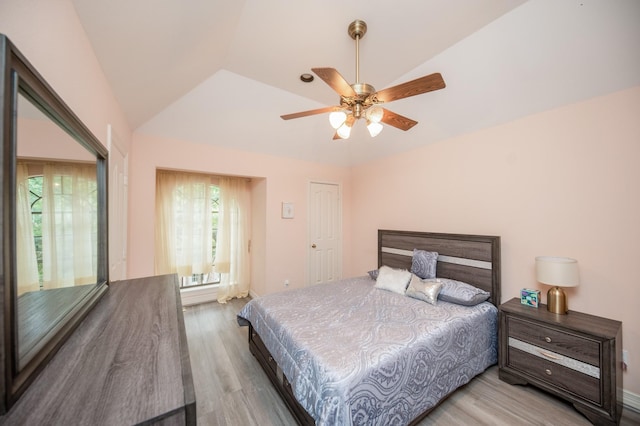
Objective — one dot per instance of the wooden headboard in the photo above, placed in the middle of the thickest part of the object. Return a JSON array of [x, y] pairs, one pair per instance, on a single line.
[[474, 259]]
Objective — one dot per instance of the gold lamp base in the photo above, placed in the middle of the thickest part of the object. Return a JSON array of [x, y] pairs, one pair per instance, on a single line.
[[557, 301]]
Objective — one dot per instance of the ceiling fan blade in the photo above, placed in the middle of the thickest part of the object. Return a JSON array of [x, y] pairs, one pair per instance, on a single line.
[[310, 112], [418, 86], [397, 120], [335, 80]]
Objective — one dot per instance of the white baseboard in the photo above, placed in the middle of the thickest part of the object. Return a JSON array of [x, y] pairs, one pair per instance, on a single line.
[[631, 400], [197, 295], [203, 294]]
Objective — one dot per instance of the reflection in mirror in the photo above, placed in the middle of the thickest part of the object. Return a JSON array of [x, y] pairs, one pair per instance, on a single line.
[[56, 227]]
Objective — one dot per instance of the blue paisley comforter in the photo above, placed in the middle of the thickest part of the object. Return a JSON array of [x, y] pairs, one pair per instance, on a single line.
[[358, 355]]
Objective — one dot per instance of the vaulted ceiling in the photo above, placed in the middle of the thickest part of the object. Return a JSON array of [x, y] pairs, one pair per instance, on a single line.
[[222, 72]]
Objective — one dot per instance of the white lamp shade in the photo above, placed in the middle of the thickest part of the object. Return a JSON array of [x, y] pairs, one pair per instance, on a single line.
[[557, 271], [337, 118], [374, 128]]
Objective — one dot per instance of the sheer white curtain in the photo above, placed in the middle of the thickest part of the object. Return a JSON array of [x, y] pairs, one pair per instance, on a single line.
[[184, 238], [232, 250], [69, 227], [27, 262]]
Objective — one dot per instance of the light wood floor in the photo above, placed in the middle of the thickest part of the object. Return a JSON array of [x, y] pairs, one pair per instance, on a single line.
[[232, 389]]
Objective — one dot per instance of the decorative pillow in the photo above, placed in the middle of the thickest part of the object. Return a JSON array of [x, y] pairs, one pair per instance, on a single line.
[[373, 274], [395, 280], [427, 291], [424, 263], [461, 293]]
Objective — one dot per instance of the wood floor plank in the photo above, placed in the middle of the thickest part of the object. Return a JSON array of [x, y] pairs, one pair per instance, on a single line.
[[232, 389]]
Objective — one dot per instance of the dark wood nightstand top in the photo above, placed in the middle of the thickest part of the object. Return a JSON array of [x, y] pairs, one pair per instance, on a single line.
[[573, 320]]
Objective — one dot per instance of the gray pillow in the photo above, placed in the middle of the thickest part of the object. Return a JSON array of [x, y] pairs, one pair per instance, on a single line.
[[461, 293], [395, 280], [427, 290], [424, 263], [373, 274]]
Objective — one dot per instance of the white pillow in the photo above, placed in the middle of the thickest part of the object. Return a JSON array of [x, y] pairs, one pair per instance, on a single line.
[[395, 280]]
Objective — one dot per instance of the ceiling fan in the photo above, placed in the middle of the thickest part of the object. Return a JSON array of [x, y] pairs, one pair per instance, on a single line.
[[361, 100]]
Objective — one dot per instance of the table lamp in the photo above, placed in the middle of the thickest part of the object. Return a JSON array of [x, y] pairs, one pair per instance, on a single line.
[[557, 272]]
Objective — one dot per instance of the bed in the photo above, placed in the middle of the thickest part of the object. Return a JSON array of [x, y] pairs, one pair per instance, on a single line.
[[351, 353]]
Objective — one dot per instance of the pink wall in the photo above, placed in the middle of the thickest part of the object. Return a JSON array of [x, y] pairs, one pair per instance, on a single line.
[[43, 139], [279, 246], [565, 182], [50, 36]]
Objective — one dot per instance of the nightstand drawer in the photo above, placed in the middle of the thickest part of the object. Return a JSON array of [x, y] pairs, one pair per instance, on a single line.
[[556, 375], [570, 345]]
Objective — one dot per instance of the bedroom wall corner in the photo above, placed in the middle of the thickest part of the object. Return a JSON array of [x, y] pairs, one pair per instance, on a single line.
[[258, 236]]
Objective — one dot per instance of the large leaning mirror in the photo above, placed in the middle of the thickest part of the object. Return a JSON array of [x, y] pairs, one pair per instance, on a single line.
[[54, 222]]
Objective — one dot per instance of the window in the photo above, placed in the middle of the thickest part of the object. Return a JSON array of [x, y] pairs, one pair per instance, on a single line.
[[199, 279], [35, 201], [203, 231], [187, 212]]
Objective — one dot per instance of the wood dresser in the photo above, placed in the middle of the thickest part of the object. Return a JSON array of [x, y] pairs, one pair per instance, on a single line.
[[574, 356], [127, 363]]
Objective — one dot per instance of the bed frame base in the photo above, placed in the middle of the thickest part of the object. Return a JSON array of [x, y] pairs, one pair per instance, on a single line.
[[277, 378]]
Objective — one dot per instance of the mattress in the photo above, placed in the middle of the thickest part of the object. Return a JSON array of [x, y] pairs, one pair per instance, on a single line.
[[355, 354]]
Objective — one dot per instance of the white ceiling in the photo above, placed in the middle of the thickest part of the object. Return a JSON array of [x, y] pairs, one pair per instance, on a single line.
[[222, 72]]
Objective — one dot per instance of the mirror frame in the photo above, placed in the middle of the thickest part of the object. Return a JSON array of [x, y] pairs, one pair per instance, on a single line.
[[18, 75]]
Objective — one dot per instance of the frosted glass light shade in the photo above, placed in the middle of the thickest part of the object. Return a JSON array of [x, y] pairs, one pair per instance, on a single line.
[[557, 271], [344, 131], [374, 128], [337, 119], [375, 114]]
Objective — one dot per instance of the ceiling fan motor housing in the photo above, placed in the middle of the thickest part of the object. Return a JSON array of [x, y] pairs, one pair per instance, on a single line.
[[361, 101]]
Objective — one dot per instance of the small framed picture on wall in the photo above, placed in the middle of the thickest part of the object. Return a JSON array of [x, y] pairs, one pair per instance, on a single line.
[[287, 210]]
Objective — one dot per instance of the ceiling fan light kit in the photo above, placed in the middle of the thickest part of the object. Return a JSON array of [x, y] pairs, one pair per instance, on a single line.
[[361, 100], [344, 131], [374, 128], [337, 119]]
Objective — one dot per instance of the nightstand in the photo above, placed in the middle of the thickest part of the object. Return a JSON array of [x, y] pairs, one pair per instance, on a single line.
[[574, 356]]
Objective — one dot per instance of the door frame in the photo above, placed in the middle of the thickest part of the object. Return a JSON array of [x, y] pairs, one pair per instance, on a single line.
[[340, 230], [119, 223]]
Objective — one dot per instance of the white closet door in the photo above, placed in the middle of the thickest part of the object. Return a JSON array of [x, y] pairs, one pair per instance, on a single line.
[[325, 233]]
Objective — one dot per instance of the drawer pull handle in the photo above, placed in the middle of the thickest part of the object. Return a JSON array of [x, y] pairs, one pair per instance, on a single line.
[[547, 339], [548, 355], [270, 359], [548, 372]]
